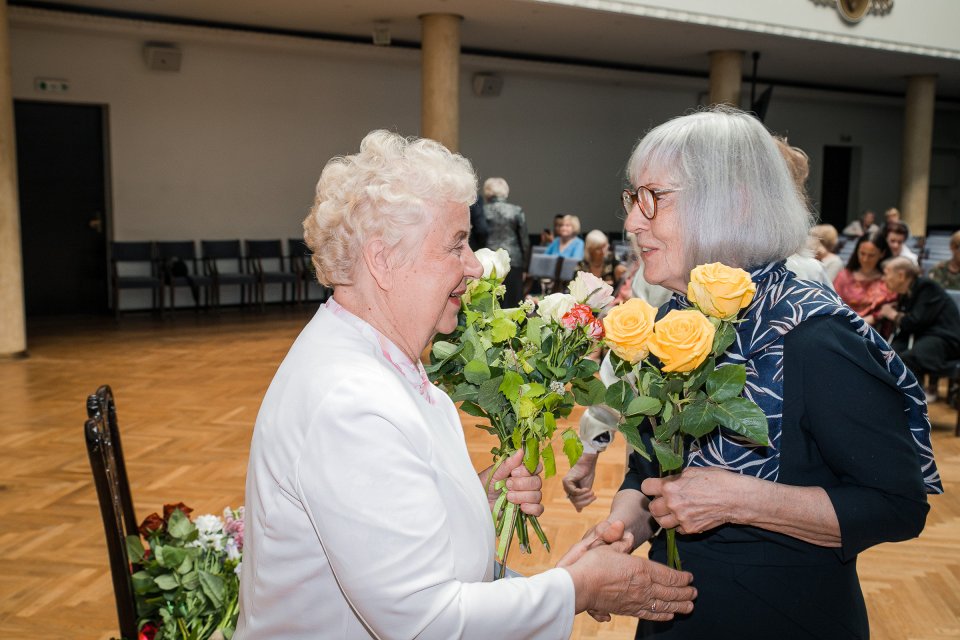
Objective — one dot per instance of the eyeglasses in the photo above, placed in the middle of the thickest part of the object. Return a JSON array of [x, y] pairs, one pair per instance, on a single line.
[[644, 197]]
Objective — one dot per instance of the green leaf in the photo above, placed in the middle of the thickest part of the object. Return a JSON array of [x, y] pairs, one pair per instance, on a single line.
[[527, 408], [744, 417], [696, 380], [444, 350], [631, 433], [472, 409], [465, 391], [586, 368], [490, 397], [726, 382], [572, 446], [549, 461], [510, 387], [190, 581], [532, 390], [166, 582], [179, 525], [502, 329], [531, 454], [724, 337], [534, 326], [665, 430], [618, 396], [589, 391], [213, 587], [644, 405], [549, 424], [667, 459], [134, 549], [170, 557], [697, 418], [477, 371], [142, 582]]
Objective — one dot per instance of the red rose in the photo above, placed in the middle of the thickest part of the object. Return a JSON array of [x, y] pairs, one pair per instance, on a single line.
[[151, 523], [580, 315], [147, 631], [168, 510]]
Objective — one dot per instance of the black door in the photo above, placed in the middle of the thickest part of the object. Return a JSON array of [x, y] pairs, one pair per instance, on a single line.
[[835, 194], [62, 180]]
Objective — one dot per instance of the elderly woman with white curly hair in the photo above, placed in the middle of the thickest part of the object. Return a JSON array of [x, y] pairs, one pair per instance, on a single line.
[[365, 517]]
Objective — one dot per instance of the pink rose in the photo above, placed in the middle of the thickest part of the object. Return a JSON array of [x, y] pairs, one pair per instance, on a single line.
[[579, 316]]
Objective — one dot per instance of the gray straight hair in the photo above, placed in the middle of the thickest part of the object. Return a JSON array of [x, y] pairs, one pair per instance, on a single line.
[[738, 203]]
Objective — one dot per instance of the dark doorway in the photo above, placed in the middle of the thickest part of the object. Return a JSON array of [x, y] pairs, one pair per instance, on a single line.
[[835, 197], [61, 169]]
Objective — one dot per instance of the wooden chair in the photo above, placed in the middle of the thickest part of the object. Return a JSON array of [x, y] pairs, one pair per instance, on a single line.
[[260, 254], [102, 435], [218, 257], [140, 256]]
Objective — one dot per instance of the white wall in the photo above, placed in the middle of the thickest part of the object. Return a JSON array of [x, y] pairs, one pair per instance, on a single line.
[[232, 145]]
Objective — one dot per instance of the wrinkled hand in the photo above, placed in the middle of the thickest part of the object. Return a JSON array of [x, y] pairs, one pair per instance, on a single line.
[[610, 582], [609, 533], [523, 488], [697, 499], [578, 483], [888, 311]]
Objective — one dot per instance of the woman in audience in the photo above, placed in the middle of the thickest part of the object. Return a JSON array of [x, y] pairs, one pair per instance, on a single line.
[[770, 532], [827, 237], [599, 259], [947, 273], [364, 515], [567, 244], [860, 283], [866, 223], [507, 230]]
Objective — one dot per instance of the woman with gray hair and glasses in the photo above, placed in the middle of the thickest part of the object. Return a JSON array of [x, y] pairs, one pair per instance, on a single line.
[[771, 532], [365, 517]]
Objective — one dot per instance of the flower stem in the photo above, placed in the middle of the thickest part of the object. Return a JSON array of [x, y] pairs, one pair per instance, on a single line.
[[506, 536]]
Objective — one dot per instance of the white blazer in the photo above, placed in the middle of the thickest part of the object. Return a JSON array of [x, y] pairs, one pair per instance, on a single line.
[[364, 515]]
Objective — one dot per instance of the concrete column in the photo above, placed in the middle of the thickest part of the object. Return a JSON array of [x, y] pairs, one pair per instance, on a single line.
[[13, 334], [440, 83], [917, 142], [726, 75]]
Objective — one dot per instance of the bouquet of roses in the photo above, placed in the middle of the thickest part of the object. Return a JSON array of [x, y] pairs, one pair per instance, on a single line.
[[187, 580], [668, 371], [513, 368]]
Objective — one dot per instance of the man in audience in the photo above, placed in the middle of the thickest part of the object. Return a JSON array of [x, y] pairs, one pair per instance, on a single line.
[[926, 318], [896, 237], [892, 215], [866, 223]]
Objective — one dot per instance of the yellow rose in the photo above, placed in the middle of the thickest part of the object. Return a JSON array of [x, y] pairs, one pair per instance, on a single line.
[[627, 328], [682, 340], [720, 291]]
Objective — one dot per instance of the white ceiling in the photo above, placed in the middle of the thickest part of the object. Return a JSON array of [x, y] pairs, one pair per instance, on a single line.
[[554, 32]]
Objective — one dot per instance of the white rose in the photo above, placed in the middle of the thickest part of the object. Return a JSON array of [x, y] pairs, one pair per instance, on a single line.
[[495, 263], [554, 306], [590, 290]]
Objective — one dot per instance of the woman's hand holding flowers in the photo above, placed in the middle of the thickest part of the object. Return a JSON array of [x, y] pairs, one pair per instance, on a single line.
[[696, 500], [523, 488]]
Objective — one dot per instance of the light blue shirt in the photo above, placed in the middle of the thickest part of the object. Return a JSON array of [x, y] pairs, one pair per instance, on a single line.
[[572, 250]]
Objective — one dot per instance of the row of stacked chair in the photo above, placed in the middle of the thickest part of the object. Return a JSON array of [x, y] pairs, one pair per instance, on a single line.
[[251, 265]]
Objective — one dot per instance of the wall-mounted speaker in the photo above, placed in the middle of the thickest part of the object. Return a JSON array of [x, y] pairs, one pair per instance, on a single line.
[[161, 56], [487, 85]]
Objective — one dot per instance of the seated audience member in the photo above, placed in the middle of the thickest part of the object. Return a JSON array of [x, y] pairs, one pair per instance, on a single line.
[[826, 234], [567, 244], [892, 215], [866, 223], [896, 233], [599, 260], [860, 284], [947, 273], [547, 235], [926, 319]]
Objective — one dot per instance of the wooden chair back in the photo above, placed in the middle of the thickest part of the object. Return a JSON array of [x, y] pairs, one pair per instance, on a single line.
[[102, 435]]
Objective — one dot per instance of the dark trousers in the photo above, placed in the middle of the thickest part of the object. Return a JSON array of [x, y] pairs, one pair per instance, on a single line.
[[928, 354], [514, 284]]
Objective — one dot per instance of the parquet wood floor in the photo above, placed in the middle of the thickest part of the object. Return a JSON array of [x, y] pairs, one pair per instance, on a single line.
[[188, 391]]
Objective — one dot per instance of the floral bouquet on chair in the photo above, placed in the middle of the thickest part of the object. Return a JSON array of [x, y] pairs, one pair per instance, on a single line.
[[522, 372], [187, 580], [681, 392]]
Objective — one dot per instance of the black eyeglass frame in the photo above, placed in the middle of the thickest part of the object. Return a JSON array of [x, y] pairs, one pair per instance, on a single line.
[[630, 198]]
